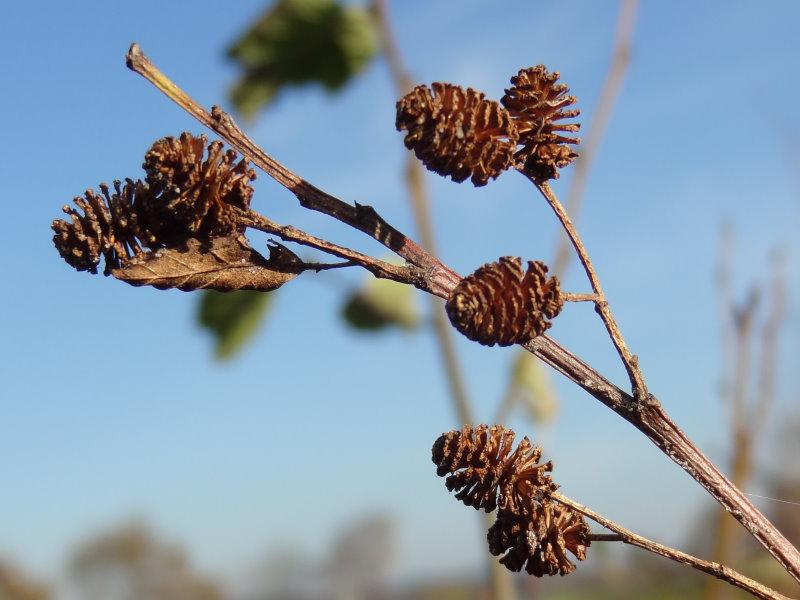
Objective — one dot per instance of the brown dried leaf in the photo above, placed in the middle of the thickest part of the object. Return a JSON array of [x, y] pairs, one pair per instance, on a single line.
[[224, 264]]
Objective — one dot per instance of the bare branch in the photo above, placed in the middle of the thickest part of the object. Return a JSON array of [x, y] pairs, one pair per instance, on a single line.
[[717, 570]]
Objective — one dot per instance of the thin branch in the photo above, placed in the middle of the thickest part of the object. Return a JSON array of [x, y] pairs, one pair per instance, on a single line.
[[439, 279], [567, 297], [601, 305], [717, 570], [597, 126], [289, 233]]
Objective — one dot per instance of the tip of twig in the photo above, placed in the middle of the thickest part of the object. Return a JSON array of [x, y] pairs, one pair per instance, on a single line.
[[133, 56]]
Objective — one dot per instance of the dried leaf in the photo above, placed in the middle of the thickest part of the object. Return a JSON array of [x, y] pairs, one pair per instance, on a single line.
[[224, 264], [298, 42], [381, 303], [232, 318]]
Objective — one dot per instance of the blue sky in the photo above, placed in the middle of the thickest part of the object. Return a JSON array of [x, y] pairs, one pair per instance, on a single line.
[[112, 405]]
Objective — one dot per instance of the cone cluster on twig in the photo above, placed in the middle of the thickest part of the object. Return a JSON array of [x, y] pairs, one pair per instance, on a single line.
[[531, 531], [184, 196], [500, 304], [459, 133]]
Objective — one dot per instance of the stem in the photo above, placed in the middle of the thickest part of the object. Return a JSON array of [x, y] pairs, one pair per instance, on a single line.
[[712, 568], [437, 278], [601, 305], [567, 297], [289, 233]]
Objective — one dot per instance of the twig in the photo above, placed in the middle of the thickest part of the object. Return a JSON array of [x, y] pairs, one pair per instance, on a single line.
[[601, 305], [597, 126], [289, 233], [717, 570], [439, 279], [568, 297]]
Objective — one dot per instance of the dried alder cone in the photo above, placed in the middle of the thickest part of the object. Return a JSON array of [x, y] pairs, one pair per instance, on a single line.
[[457, 132], [539, 541], [531, 531], [537, 103], [500, 304], [197, 192], [487, 473], [178, 228]]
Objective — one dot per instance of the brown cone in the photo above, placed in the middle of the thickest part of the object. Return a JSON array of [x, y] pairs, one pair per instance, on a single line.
[[499, 304], [486, 473], [108, 228], [537, 103], [539, 541], [195, 193], [457, 132]]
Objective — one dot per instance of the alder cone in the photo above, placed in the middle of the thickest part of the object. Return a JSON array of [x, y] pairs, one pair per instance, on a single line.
[[487, 473], [457, 132], [538, 103], [539, 541], [198, 185], [499, 304], [108, 227]]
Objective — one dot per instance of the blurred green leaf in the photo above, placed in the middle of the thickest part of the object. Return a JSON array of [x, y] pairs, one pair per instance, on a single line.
[[232, 318], [298, 42], [533, 387], [382, 303]]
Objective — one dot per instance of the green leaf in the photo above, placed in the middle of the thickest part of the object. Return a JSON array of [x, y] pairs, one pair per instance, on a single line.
[[380, 304], [233, 318], [298, 42], [533, 387]]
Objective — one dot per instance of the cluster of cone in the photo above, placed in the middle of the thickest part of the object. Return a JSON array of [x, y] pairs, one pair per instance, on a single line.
[[191, 190], [531, 531], [459, 133]]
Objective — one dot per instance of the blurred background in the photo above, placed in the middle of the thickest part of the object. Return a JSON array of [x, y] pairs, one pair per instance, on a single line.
[[172, 445]]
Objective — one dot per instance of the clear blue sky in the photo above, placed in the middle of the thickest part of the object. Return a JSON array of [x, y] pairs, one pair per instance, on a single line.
[[112, 405]]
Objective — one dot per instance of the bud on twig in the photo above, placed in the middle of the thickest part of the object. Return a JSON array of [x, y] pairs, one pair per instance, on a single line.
[[499, 304]]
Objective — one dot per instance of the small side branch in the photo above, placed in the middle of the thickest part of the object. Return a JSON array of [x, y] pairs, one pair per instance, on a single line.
[[628, 537], [629, 360], [288, 233]]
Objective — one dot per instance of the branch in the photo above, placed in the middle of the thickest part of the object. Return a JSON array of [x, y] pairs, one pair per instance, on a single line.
[[289, 233], [628, 537], [439, 279], [601, 305]]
